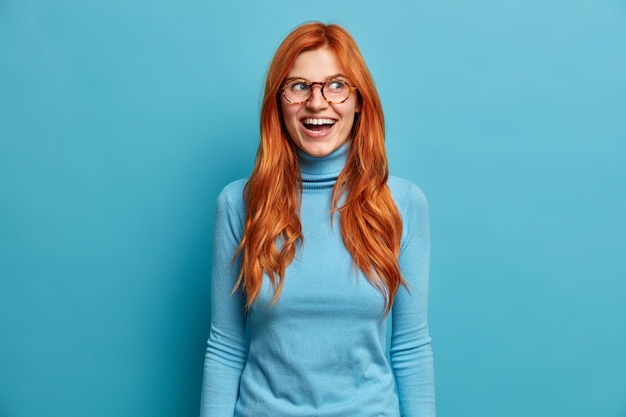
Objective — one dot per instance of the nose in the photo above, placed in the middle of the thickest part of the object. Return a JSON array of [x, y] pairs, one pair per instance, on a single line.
[[316, 101]]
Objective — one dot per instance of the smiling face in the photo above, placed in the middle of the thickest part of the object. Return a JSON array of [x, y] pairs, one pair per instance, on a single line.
[[316, 126]]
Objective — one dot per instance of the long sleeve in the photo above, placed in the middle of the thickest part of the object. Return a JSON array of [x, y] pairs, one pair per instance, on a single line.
[[410, 351], [227, 347]]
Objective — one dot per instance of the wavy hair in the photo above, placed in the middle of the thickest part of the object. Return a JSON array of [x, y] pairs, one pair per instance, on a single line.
[[371, 226]]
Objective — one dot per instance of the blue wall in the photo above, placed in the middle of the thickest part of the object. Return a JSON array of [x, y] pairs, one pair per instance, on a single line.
[[120, 121]]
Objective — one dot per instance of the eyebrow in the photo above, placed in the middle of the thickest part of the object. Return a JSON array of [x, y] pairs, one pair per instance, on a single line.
[[330, 77]]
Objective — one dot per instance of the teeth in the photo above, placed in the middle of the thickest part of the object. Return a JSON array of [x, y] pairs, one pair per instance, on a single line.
[[311, 121]]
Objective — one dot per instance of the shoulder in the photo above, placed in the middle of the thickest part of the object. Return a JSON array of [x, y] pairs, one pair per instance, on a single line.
[[413, 207], [230, 210], [230, 200], [232, 194], [407, 195]]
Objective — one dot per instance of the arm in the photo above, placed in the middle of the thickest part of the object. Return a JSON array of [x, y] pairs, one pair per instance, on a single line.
[[226, 348], [411, 353]]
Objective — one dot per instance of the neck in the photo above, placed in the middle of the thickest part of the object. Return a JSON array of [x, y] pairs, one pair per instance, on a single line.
[[322, 172]]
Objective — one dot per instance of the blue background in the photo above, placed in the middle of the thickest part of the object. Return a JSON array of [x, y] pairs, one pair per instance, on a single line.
[[120, 121]]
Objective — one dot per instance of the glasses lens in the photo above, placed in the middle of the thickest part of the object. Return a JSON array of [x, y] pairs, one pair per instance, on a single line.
[[336, 91], [297, 91]]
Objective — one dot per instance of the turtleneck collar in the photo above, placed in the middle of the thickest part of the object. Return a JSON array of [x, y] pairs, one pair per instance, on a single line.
[[322, 172]]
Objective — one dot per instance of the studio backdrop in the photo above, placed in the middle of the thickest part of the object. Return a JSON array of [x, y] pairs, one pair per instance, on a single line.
[[120, 122]]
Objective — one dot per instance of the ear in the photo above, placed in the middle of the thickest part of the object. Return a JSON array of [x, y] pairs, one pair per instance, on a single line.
[[358, 104]]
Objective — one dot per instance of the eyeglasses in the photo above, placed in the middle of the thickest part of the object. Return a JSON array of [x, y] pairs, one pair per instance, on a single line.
[[298, 91]]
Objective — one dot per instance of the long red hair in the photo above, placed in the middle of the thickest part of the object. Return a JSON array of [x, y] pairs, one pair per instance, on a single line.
[[370, 221]]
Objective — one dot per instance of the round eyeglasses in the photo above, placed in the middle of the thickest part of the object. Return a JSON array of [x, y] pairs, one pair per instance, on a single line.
[[298, 91]]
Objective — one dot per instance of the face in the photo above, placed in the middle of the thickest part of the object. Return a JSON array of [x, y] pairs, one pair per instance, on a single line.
[[316, 126]]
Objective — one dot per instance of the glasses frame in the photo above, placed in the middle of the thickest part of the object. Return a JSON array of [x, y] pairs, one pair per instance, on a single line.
[[310, 84]]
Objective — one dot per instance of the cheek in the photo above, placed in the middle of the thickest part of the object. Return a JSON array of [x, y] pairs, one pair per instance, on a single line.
[[289, 118], [287, 111]]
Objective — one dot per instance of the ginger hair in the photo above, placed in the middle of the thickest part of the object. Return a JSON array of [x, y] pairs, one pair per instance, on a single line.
[[371, 225]]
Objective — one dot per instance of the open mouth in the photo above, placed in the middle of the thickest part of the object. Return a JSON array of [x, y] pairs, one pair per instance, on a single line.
[[318, 125]]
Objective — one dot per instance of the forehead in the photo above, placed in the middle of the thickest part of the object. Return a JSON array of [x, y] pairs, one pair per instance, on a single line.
[[315, 65]]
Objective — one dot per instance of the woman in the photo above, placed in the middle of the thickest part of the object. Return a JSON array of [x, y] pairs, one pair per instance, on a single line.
[[315, 249]]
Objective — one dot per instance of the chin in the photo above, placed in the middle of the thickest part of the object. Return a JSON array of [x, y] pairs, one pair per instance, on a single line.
[[318, 151]]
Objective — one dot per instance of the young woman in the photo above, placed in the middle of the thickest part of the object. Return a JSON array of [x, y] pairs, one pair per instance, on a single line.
[[315, 250]]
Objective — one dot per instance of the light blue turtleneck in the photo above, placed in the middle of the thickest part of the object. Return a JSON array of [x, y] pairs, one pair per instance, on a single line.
[[321, 349]]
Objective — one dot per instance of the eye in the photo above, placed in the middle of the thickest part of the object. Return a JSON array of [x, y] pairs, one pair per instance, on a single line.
[[298, 86], [336, 85]]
